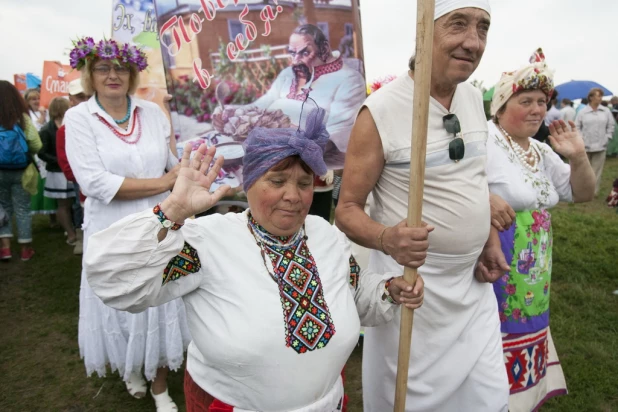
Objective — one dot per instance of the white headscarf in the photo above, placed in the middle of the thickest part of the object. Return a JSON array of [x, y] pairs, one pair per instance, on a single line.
[[446, 6], [535, 76]]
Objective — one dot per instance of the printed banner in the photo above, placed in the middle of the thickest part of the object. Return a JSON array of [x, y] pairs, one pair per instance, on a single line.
[[19, 80], [55, 81], [233, 65], [135, 22]]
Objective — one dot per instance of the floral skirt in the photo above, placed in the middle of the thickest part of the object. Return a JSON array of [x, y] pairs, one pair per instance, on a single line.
[[533, 368]]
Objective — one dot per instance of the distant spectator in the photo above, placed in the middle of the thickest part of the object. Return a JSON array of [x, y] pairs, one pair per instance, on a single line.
[[552, 111], [614, 102], [37, 113], [597, 125], [39, 204], [76, 96], [583, 104], [567, 113], [612, 147], [56, 184], [17, 173]]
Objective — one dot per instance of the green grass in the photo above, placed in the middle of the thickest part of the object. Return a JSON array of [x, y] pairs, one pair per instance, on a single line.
[[40, 368]]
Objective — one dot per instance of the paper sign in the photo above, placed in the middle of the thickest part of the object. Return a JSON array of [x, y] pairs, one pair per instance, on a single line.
[[19, 80], [55, 81], [135, 22]]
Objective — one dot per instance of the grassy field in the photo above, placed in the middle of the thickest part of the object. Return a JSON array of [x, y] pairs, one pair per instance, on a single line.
[[40, 369]]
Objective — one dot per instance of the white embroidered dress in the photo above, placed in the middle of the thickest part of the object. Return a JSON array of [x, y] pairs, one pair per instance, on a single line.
[[100, 161]]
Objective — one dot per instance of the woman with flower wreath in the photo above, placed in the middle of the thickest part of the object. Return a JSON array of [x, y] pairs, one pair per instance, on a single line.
[[526, 178], [118, 148]]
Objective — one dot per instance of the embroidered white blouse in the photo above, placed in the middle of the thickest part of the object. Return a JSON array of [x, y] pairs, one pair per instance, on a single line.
[[101, 161], [239, 353], [518, 186]]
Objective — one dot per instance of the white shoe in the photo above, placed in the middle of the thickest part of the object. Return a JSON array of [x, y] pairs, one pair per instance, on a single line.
[[136, 385], [164, 402]]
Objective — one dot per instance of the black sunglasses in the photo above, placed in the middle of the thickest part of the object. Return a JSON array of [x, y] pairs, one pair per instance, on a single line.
[[456, 148]]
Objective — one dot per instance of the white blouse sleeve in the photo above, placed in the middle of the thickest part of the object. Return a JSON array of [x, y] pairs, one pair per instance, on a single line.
[[81, 148], [368, 289], [559, 173], [129, 269]]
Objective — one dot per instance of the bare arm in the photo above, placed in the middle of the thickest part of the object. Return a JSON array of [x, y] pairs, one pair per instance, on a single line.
[[139, 188], [363, 166], [582, 178], [568, 142], [491, 264]]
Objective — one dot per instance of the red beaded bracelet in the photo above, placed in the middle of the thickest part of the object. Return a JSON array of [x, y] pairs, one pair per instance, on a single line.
[[165, 221]]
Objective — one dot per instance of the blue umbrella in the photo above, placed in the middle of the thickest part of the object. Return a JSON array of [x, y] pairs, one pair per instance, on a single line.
[[578, 89]]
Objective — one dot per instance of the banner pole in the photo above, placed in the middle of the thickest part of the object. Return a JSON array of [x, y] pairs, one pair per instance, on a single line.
[[422, 82]]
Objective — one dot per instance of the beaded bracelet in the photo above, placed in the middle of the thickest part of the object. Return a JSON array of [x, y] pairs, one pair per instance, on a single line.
[[387, 294], [165, 221]]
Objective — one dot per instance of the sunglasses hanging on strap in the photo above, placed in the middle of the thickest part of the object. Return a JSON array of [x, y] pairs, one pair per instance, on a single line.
[[456, 148]]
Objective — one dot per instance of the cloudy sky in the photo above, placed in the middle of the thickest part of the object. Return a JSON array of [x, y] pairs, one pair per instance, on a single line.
[[578, 37]]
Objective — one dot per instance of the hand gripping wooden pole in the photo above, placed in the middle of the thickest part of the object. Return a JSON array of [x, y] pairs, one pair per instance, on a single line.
[[422, 81]]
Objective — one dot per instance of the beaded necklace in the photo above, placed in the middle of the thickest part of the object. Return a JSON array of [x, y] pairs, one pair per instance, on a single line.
[[125, 118], [125, 137], [263, 238], [528, 158]]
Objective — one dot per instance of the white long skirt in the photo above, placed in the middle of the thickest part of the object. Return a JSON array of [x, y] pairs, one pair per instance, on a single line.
[[128, 342]]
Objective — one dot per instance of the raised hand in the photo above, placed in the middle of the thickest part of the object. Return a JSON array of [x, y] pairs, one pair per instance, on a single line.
[[566, 140], [191, 193]]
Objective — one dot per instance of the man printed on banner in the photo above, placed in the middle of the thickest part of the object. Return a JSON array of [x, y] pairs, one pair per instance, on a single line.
[[456, 360], [319, 73]]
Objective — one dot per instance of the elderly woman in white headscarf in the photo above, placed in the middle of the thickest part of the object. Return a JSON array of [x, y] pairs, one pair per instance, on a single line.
[[526, 178]]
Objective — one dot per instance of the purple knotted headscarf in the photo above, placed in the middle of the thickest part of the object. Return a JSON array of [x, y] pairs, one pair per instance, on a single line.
[[264, 147]]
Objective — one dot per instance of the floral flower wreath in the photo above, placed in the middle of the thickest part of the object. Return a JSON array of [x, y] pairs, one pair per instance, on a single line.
[[86, 49]]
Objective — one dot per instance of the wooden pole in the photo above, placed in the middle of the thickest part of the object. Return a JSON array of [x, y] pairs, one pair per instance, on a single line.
[[422, 82]]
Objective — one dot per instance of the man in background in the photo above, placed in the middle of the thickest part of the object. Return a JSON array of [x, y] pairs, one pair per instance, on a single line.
[[567, 112]]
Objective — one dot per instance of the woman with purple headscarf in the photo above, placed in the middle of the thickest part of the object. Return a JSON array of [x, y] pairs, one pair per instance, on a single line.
[[241, 274]]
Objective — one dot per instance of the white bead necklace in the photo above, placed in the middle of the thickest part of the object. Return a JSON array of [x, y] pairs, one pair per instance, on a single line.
[[528, 158]]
